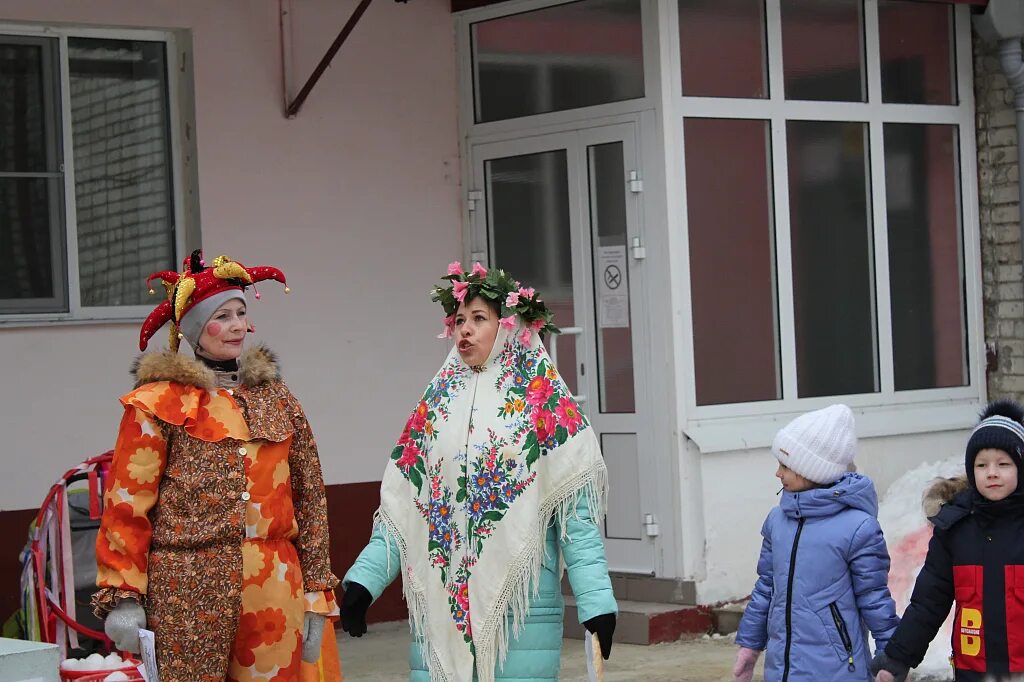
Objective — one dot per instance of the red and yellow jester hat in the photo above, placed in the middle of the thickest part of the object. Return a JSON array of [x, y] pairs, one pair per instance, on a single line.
[[196, 283]]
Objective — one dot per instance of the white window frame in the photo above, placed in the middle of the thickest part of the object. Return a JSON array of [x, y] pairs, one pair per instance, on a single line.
[[718, 428], [77, 313], [887, 412]]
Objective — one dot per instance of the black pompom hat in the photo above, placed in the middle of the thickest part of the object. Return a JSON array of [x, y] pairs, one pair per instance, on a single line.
[[1001, 427]]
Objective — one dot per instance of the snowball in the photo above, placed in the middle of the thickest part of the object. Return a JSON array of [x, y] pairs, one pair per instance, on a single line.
[[116, 677], [94, 662], [113, 661], [71, 664]]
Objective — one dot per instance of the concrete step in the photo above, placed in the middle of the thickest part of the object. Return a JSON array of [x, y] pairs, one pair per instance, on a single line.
[[726, 618], [646, 588], [644, 623]]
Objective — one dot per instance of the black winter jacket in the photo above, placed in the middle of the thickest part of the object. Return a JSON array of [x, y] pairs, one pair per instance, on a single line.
[[975, 557]]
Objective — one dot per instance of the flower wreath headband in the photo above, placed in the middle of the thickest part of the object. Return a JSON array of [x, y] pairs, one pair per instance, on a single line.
[[494, 285]]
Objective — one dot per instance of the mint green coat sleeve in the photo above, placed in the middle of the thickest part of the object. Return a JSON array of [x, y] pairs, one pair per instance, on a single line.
[[377, 565], [583, 550]]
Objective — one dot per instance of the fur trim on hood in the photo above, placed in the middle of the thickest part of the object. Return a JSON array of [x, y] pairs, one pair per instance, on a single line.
[[257, 365], [940, 492]]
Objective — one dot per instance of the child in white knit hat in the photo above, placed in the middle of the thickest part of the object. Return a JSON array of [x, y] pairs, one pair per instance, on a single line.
[[823, 571]]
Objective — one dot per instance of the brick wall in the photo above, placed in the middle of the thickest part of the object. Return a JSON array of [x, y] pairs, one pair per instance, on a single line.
[[998, 178]]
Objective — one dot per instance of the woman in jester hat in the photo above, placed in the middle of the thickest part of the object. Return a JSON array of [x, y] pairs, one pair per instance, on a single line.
[[214, 527], [496, 480]]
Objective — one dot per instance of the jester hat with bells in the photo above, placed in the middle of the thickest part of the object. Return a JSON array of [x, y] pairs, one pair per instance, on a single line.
[[197, 283]]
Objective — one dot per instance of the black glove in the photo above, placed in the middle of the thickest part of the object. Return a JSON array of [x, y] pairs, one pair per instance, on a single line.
[[604, 626], [354, 605], [881, 662]]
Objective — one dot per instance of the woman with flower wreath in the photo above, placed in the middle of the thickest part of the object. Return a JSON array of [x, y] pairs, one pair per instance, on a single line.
[[496, 482], [214, 528]]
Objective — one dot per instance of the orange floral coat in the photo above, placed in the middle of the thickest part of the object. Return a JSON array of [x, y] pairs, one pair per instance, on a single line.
[[215, 518]]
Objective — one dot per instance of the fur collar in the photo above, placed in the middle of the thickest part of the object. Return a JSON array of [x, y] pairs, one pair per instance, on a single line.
[[257, 365], [947, 501], [941, 492]]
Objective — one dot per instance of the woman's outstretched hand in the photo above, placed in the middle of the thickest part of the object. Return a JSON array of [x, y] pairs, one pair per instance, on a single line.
[[604, 627], [354, 605]]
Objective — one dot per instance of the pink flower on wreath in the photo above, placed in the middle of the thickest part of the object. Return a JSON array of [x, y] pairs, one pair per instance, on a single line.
[[544, 423], [460, 291], [569, 414], [512, 300], [455, 268], [538, 391], [537, 325], [524, 336], [479, 270], [409, 456], [449, 328], [526, 293], [509, 322]]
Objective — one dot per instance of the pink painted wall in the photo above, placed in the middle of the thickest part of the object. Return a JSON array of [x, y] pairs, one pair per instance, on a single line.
[[357, 200]]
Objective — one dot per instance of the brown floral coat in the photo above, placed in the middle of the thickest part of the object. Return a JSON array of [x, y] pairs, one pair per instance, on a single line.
[[215, 518]]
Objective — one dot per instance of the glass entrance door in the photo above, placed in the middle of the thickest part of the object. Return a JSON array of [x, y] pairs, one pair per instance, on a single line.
[[561, 212]]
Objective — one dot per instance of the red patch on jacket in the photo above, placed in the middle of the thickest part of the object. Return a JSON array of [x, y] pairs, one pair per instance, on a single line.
[[968, 624]]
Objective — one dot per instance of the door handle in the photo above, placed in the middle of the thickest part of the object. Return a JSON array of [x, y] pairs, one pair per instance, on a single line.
[[553, 351]]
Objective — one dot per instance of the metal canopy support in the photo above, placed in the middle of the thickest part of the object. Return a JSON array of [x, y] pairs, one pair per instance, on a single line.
[[292, 106]]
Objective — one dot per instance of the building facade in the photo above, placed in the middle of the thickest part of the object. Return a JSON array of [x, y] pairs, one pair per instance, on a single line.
[[740, 210]]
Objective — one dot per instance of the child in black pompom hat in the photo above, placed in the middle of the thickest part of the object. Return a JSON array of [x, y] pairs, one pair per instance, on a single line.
[[975, 558]]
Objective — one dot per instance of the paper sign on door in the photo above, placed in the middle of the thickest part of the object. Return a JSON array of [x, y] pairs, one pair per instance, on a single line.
[[613, 287]]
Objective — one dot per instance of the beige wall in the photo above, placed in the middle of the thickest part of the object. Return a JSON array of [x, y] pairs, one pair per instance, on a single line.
[[357, 200], [740, 488]]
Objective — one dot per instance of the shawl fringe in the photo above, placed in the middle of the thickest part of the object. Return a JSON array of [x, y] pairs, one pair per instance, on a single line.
[[491, 637], [413, 593]]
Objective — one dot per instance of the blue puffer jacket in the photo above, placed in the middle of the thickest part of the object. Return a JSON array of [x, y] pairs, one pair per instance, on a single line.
[[535, 655], [822, 585]]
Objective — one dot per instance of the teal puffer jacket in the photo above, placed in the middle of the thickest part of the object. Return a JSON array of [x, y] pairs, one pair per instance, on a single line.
[[535, 655]]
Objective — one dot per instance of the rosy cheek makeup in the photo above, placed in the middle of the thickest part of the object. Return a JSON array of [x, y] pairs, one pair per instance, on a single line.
[[213, 329]]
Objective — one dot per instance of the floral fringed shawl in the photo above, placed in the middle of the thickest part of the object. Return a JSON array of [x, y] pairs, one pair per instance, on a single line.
[[488, 459]]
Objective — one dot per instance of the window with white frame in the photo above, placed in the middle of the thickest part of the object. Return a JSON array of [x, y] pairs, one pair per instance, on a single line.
[[556, 58], [827, 150], [87, 199]]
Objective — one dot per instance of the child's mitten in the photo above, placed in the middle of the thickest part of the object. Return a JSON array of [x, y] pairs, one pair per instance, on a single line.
[[887, 669], [746, 659]]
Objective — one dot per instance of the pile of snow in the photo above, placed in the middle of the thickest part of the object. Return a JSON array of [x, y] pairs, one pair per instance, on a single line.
[[98, 663], [907, 533]]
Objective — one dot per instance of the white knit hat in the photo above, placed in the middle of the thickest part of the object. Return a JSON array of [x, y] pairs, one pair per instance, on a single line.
[[819, 445]]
